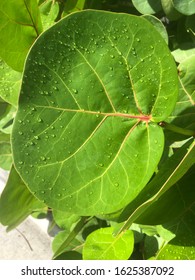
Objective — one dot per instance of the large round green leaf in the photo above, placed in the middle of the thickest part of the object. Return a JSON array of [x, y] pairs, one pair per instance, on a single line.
[[86, 138]]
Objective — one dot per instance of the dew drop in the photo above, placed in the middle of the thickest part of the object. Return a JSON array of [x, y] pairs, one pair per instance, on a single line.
[[101, 164], [43, 158]]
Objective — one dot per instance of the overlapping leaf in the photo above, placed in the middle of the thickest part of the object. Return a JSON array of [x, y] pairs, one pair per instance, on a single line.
[[86, 138], [102, 245], [184, 113], [5, 151], [16, 202], [20, 25], [48, 12], [180, 201], [170, 173], [147, 6], [10, 82]]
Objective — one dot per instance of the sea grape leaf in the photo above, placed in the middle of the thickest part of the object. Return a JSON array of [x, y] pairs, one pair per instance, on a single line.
[[67, 239], [86, 126], [64, 220], [74, 246], [185, 51], [184, 113], [158, 25], [7, 113], [183, 199], [10, 82], [5, 155], [147, 6], [185, 7], [169, 174], [20, 25], [5, 151], [102, 245], [48, 11], [17, 202], [174, 202], [171, 12], [73, 6]]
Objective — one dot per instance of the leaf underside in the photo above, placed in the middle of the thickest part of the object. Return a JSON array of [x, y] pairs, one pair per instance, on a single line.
[[86, 138]]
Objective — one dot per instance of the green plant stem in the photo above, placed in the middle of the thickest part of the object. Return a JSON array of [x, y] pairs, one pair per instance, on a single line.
[[177, 129]]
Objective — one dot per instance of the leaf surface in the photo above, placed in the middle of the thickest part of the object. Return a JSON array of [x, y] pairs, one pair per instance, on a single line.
[[184, 113], [20, 25], [181, 201], [16, 202], [147, 6], [86, 129], [102, 245], [186, 7], [74, 246], [169, 174], [10, 82], [158, 25], [48, 12]]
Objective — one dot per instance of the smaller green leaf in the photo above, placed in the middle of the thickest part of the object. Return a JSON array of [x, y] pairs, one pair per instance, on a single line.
[[7, 114], [158, 25], [102, 245], [74, 246], [48, 11], [185, 7], [64, 220], [67, 238], [20, 25], [185, 51], [187, 78], [147, 6], [73, 6], [16, 202], [170, 10], [184, 113], [5, 151], [10, 82]]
